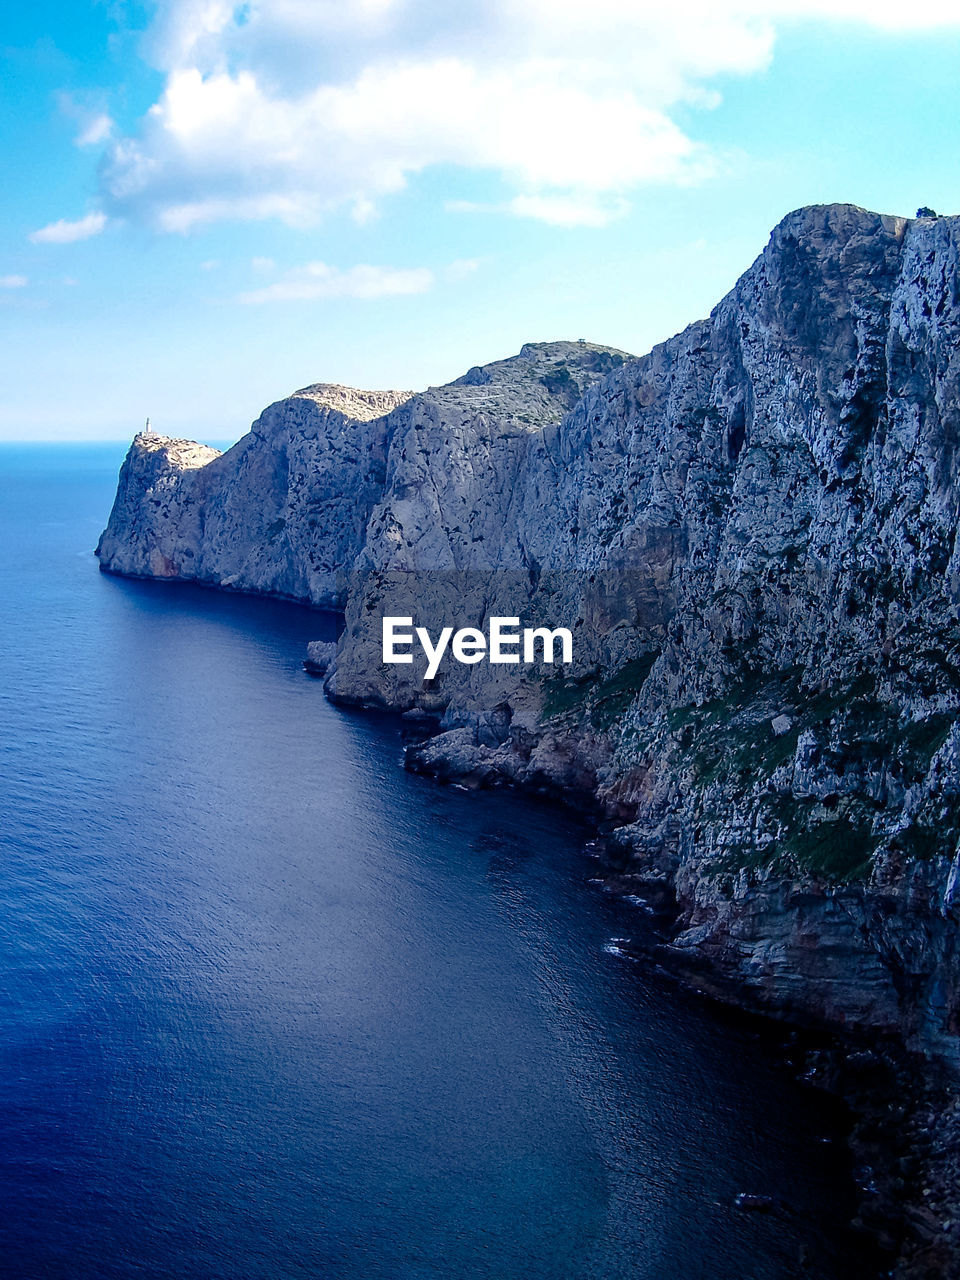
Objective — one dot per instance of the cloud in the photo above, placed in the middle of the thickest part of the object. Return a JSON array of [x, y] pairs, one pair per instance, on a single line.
[[13, 282], [577, 209], [317, 281], [292, 109], [95, 131], [64, 232], [263, 264], [95, 125], [298, 159]]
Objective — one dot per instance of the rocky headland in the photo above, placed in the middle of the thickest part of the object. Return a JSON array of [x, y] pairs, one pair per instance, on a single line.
[[752, 532]]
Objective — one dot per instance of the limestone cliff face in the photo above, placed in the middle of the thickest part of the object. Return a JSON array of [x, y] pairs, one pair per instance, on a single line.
[[751, 532], [283, 512]]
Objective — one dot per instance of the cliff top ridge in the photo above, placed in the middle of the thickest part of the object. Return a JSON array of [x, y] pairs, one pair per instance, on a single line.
[[352, 402]]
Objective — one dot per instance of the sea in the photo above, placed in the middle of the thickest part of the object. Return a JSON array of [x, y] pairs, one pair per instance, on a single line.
[[272, 1008]]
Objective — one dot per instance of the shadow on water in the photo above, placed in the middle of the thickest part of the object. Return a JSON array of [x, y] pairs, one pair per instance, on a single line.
[[274, 1008]]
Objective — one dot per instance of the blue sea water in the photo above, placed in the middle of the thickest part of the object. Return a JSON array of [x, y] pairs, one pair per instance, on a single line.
[[271, 1008]]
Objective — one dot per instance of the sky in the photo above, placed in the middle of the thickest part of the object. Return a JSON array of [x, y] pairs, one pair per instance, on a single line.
[[210, 204]]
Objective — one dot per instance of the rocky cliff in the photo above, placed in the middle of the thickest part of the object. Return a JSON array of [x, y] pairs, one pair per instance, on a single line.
[[751, 532], [283, 512]]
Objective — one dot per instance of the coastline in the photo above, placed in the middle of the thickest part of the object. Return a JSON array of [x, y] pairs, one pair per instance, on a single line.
[[904, 1136], [751, 533], [904, 1125], [904, 1128]]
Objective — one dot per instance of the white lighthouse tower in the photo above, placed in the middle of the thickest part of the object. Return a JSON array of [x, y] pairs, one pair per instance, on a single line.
[[148, 430]]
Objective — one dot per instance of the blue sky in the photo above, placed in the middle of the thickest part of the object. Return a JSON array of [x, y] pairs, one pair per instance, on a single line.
[[210, 204]]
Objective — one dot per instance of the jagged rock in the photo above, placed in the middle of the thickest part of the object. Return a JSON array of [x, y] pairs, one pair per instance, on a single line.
[[455, 755], [320, 655]]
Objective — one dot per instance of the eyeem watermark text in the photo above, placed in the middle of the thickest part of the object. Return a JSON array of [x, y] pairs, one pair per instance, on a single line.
[[505, 643]]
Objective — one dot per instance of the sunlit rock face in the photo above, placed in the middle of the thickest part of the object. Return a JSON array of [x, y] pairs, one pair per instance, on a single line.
[[283, 512], [751, 533]]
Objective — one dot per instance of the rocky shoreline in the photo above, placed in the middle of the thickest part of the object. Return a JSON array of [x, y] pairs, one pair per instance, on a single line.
[[904, 1129], [904, 1110]]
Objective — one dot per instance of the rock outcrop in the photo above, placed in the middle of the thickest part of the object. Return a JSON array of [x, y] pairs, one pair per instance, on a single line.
[[752, 532], [283, 512]]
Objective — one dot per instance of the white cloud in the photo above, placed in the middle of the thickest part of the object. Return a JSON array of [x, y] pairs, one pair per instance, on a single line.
[[892, 15], [95, 131], [363, 211], [317, 280], [290, 109], [568, 210], [211, 264], [297, 159], [265, 265], [13, 282], [576, 209], [87, 109], [64, 232]]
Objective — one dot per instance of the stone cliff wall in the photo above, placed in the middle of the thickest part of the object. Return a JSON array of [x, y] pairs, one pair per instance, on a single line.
[[751, 532], [283, 512]]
